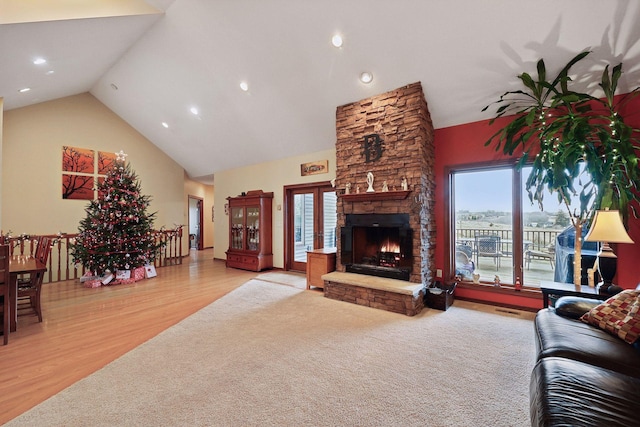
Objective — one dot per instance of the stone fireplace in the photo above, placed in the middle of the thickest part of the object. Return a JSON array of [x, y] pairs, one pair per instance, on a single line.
[[386, 236]]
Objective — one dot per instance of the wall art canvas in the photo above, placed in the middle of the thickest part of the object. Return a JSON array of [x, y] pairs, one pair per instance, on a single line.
[[77, 187], [79, 160], [100, 181], [105, 162]]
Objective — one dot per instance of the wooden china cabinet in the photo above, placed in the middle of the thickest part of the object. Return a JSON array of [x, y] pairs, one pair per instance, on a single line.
[[250, 231]]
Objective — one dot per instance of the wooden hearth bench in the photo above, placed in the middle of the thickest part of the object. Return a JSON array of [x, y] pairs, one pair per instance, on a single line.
[[394, 295]]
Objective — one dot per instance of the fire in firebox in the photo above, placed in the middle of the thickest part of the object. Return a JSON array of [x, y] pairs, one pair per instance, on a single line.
[[389, 254], [378, 244]]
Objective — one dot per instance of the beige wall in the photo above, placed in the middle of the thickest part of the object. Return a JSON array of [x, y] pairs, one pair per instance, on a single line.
[[269, 176], [32, 165], [205, 192], [31, 180]]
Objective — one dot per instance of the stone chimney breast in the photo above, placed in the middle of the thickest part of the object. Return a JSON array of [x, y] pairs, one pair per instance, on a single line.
[[389, 138]]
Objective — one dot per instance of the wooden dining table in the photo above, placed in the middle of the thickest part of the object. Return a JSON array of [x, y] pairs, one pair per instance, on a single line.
[[20, 264]]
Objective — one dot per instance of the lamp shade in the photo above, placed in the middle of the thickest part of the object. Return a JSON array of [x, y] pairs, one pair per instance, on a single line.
[[607, 227]]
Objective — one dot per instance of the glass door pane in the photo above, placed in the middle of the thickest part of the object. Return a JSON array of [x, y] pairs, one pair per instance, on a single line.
[[330, 219], [550, 234], [540, 228], [483, 227], [303, 205]]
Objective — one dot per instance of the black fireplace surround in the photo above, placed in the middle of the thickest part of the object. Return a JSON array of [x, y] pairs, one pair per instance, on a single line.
[[378, 245]]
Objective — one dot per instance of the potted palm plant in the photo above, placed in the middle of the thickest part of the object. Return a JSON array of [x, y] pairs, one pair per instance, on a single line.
[[570, 137]]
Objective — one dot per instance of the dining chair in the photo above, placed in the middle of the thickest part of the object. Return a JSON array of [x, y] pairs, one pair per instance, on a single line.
[[5, 282], [29, 291], [488, 246]]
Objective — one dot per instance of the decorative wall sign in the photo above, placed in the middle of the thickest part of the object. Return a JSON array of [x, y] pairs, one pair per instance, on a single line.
[[314, 168], [373, 147]]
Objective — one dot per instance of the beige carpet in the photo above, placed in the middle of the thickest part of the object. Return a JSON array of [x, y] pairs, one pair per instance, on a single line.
[[268, 354], [298, 280]]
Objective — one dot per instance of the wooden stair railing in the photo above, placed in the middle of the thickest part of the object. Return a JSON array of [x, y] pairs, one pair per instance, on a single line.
[[61, 266]]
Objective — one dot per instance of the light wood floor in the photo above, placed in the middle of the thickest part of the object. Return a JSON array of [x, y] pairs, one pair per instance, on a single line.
[[85, 329]]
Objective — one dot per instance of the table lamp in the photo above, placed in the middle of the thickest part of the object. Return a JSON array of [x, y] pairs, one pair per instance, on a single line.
[[607, 228]]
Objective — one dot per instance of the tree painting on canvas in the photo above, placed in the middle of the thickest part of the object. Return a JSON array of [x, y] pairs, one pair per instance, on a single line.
[[105, 162], [77, 182], [78, 160], [77, 187]]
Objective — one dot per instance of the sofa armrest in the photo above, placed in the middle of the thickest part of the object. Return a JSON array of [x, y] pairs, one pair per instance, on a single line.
[[575, 307]]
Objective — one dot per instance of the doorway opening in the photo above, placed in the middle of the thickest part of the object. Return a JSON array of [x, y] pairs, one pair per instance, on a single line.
[[196, 237]]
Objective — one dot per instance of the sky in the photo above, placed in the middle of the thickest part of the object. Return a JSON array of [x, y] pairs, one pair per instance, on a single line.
[[491, 190]]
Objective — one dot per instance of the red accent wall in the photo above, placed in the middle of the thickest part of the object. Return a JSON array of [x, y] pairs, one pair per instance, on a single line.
[[464, 144], [628, 272]]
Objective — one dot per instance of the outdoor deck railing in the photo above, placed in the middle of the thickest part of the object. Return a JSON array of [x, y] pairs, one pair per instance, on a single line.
[[540, 239], [61, 266]]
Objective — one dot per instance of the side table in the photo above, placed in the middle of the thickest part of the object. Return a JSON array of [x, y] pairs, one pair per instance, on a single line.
[[564, 289], [319, 262]]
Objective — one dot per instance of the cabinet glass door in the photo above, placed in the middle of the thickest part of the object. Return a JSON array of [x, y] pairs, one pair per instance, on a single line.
[[253, 228], [237, 228]]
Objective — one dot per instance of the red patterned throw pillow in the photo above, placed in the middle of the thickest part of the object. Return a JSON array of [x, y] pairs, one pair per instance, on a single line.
[[619, 315]]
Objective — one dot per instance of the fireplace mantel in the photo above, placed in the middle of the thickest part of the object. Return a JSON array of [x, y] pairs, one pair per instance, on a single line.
[[380, 195]]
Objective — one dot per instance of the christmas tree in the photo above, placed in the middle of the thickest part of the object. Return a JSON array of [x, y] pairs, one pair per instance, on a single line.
[[117, 232]]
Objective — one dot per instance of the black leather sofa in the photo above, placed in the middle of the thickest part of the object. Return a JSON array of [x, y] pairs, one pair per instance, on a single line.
[[583, 375]]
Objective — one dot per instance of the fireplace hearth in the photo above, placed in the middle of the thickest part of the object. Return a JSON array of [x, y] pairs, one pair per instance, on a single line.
[[378, 245]]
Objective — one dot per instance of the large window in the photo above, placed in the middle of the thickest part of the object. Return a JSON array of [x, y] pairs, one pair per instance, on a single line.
[[496, 231]]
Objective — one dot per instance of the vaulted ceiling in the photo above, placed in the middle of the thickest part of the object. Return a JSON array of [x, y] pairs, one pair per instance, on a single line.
[[172, 68]]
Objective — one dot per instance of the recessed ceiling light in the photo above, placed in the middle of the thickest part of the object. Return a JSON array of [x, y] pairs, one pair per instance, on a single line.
[[48, 73], [194, 110], [165, 125], [244, 86], [25, 89], [336, 40], [39, 61], [366, 77]]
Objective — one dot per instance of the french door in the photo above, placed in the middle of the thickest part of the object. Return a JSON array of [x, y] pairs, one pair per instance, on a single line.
[[310, 221]]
